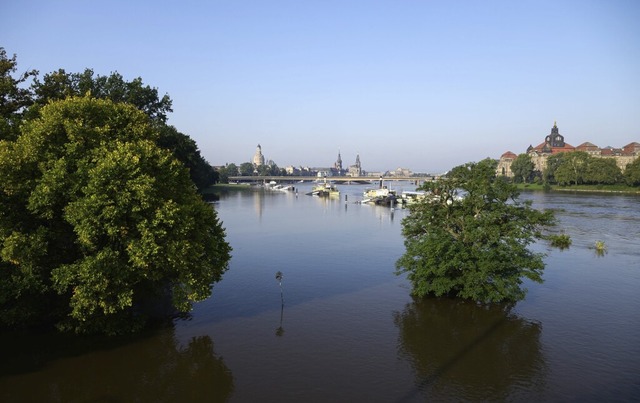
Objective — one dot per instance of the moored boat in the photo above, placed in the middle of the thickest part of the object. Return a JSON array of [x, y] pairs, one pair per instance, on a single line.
[[381, 196], [325, 189], [411, 197]]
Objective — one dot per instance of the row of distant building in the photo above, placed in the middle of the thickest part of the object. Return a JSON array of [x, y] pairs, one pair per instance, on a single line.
[[554, 143], [337, 169]]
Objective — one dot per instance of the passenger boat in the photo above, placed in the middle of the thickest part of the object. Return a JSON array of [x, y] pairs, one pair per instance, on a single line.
[[325, 189], [381, 196]]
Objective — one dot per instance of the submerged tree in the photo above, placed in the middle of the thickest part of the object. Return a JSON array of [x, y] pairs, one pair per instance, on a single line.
[[471, 238], [96, 218]]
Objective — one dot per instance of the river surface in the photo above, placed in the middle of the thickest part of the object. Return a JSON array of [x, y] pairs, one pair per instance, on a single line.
[[344, 328]]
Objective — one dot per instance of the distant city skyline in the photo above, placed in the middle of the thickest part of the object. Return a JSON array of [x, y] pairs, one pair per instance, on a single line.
[[356, 159], [423, 85]]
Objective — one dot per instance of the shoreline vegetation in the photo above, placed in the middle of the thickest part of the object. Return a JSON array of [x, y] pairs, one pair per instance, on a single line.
[[521, 186], [617, 188]]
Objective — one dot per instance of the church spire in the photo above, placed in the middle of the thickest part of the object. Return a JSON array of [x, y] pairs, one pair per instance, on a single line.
[[338, 164]]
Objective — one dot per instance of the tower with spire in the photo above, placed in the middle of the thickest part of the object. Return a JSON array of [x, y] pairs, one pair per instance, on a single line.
[[338, 164], [554, 139], [356, 169]]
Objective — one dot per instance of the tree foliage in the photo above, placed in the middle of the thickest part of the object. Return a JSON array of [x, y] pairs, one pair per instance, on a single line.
[[14, 97], [632, 173], [602, 171], [270, 170], [96, 218], [19, 102], [578, 167], [185, 149], [226, 171], [60, 85], [572, 169], [553, 162], [246, 169], [475, 246], [522, 168]]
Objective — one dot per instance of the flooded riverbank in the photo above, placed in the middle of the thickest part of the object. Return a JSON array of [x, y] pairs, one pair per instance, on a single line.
[[349, 330]]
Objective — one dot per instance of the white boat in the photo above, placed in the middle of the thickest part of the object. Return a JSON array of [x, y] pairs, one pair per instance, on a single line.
[[286, 188], [381, 196], [325, 189], [280, 187], [410, 197]]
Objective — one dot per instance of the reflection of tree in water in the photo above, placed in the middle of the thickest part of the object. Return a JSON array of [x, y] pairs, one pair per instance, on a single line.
[[154, 368], [463, 351]]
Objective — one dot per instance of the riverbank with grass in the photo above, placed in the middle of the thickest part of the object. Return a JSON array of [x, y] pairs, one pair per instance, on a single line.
[[580, 188]]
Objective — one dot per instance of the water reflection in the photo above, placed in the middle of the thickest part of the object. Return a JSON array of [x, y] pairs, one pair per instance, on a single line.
[[614, 220], [472, 352], [280, 329], [155, 367], [340, 343], [258, 203]]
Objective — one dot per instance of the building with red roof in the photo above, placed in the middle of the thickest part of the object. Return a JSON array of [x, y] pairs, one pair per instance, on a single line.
[[554, 143]]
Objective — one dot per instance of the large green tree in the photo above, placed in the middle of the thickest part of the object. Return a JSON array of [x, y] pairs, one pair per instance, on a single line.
[[578, 167], [186, 150], [573, 168], [553, 162], [226, 171], [632, 173], [14, 96], [60, 85], [246, 169], [96, 219], [522, 168], [270, 170], [602, 171], [470, 238]]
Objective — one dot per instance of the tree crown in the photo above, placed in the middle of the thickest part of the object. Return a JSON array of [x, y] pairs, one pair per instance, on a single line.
[[469, 238]]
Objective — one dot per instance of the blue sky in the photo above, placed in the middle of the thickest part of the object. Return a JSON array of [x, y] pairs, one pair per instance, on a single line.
[[425, 85]]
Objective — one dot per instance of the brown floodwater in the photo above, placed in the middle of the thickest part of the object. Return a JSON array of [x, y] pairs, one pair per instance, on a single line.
[[349, 330]]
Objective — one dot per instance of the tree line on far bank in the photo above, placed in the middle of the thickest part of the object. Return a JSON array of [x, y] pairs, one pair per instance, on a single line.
[[575, 168], [248, 169]]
